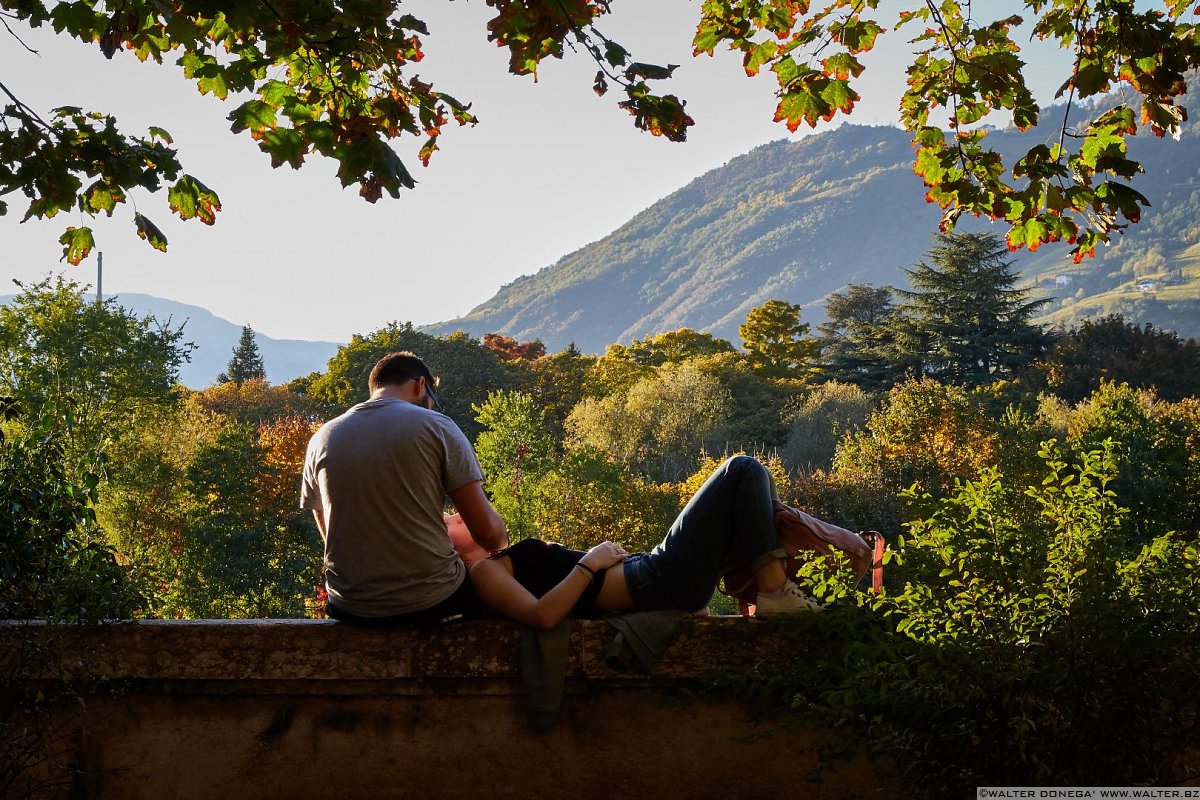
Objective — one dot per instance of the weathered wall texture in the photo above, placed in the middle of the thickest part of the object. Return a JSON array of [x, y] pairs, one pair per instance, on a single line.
[[300, 709]]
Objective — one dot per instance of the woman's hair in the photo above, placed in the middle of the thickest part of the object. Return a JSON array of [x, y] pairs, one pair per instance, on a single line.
[[396, 368]]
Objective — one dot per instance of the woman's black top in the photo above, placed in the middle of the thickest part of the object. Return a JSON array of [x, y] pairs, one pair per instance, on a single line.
[[540, 566]]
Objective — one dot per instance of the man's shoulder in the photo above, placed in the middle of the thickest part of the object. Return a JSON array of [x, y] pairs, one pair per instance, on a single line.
[[394, 416]]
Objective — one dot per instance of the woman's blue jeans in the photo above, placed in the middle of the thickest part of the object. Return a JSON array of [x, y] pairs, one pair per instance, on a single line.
[[734, 510]]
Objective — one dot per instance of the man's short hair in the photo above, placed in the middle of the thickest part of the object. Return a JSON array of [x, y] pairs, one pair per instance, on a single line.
[[397, 368]]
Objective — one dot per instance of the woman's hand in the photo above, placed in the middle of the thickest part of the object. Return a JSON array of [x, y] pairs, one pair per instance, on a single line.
[[603, 556]]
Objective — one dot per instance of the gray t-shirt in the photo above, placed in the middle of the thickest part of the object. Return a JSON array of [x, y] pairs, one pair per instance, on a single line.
[[380, 473]]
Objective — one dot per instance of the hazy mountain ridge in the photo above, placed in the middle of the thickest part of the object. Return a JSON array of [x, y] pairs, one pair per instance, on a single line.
[[798, 220], [215, 339]]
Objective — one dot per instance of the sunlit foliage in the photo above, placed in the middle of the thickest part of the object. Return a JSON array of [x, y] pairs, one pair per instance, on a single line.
[[776, 341], [657, 423], [342, 82], [116, 368]]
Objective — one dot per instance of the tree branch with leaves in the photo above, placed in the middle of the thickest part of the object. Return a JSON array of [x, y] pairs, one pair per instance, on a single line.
[[315, 78]]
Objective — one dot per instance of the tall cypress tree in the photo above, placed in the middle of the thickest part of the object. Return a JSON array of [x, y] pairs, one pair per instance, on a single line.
[[964, 317], [246, 363]]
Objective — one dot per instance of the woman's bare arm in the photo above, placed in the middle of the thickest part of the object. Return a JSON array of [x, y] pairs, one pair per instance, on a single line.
[[497, 587]]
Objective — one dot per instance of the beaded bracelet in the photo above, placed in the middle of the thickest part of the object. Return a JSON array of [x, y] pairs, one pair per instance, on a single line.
[[590, 572]]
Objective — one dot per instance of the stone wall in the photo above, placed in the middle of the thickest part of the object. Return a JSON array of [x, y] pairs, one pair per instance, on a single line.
[[301, 708]]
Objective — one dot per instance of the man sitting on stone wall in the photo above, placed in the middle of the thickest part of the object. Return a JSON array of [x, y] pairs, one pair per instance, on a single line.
[[376, 479]]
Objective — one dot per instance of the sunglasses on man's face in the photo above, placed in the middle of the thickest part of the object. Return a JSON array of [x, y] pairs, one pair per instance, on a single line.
[[437, 404]]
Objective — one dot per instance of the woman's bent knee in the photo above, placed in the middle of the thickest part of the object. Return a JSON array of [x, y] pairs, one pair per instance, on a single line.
[[742, 463]]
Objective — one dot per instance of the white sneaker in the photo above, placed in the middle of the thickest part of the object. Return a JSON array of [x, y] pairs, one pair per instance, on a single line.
[[788, 600]]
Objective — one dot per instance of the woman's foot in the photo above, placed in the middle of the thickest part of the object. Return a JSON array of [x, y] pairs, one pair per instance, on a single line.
[[788, 600]]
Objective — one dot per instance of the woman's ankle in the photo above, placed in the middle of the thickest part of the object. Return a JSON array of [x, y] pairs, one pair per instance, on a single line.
[[770, 577]]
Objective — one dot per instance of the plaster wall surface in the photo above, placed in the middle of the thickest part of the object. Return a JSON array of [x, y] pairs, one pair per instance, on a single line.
[[299, 709]]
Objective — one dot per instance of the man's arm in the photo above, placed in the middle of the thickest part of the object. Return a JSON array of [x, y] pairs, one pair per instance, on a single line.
[[485, 525], [319, 516]]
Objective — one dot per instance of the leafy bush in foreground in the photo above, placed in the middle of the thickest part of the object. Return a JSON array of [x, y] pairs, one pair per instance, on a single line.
[[1025, 648], [53, 562]]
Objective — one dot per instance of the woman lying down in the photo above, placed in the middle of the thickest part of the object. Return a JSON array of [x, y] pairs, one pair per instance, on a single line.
[[537, 583]]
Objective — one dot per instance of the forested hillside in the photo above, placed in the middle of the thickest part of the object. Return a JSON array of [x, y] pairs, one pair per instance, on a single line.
[[798, 220]]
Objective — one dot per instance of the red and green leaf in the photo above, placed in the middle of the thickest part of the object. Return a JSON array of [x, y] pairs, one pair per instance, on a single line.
[[149, 232], [189, 198], [77, 243]]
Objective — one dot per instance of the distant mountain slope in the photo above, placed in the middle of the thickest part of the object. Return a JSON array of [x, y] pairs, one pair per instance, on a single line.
[[788, 220], [215, 339], [798, 220]]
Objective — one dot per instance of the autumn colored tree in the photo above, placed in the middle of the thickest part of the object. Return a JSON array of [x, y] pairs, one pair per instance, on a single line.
[[239, 557], [284, 441], [614, 372], [246, 364], [256, 402], [924, 433], [340, 81], [312, 79], [678, 345], [509, 349], [777, 341], [967, 64], [203, 507]]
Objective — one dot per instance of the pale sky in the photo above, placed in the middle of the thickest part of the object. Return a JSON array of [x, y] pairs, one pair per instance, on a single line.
[[550, 168]]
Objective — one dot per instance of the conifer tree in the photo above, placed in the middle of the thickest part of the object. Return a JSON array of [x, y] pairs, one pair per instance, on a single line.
[[246, 363], [964, 318], [860, 342]]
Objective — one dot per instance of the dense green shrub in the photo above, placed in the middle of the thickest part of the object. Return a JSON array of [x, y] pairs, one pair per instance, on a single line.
[[118, 369], [1025, 647], [53, 560], [466, 369], [204, 511], [1157, 458], [830, 412], [1112, 348], [515, 453], [658, 425], [588, 498], [852, 501], [239, 556]]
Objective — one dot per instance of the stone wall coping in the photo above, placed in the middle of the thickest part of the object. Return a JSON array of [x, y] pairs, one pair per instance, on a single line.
[[323, 653]]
